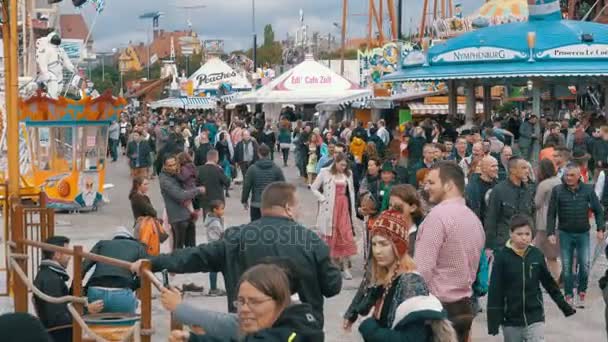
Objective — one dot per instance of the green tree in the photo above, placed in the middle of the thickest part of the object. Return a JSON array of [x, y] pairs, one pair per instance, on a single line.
[[268, 36]]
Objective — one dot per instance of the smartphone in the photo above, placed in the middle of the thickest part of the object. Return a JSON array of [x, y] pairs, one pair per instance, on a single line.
[[165, 278]]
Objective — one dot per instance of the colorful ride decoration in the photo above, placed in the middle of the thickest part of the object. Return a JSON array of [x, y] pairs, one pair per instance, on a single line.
[[378, 62], [504, 9], [63, 148]]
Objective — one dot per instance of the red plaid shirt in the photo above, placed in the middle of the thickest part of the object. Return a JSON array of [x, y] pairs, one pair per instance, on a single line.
[[448, 248]]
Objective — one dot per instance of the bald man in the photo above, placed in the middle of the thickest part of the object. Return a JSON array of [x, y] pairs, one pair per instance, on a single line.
[[480, 184]]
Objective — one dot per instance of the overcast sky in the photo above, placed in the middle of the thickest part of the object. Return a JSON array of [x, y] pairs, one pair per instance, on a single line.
[[230, 20]]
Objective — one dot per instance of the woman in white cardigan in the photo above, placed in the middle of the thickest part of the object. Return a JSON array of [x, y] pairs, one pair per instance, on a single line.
[[337, 211]]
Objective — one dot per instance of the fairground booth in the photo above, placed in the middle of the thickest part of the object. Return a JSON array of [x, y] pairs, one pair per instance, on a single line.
[[544, 54], [307, 84]]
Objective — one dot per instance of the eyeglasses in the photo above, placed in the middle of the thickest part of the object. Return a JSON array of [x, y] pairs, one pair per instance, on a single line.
[[252, 303]]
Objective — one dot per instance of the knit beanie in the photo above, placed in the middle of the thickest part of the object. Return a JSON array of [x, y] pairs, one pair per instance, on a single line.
[[391, 225], [22, 327]]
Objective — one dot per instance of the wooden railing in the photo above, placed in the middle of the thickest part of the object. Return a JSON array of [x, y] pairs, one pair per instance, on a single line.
[[37, 221], [18, 261]]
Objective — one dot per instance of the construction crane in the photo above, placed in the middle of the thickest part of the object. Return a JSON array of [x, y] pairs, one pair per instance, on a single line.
[[155, 16]]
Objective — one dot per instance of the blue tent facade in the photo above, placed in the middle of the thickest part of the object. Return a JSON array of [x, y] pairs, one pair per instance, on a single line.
[[545, 51]]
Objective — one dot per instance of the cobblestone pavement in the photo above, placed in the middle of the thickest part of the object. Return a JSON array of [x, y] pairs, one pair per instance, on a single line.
[[87, 228]]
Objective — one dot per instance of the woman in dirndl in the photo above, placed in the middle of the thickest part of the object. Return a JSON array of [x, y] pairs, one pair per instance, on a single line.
[[337, 211]]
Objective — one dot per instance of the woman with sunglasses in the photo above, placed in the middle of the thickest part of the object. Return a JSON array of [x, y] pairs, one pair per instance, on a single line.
[[264, 312]]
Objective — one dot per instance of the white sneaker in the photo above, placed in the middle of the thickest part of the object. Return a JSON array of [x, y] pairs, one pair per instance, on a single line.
[[347, 275]]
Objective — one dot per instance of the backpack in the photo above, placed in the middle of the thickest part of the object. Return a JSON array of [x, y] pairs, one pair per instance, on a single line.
[[480, 286]]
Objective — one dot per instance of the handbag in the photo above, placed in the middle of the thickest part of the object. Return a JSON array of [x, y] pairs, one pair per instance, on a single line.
[[162, 234]]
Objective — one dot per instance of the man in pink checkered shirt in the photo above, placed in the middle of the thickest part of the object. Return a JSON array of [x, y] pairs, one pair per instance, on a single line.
[[449, 245]]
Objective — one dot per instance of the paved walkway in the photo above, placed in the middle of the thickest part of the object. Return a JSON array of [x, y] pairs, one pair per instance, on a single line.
[[87, 228]]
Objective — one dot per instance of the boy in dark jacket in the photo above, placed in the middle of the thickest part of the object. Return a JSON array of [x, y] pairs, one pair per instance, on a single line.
[[258, 176], [515, 298], [51, 280]]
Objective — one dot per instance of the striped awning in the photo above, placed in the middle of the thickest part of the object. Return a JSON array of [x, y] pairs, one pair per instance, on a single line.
[[186, 103], [419, 108], [343, 102]]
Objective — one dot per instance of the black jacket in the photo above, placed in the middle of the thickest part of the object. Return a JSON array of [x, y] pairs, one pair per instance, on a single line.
[[143, 157], [51, 280], [247, 245], [214, 180], [258, 176], [415, 147], [506, 200], [572, 207], [223, 150], [200, 154], [122, 247], [239, 153], [475, 194], [515, 298], [295, 324]]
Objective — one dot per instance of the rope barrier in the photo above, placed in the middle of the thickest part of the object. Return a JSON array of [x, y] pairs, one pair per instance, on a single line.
[[53, 300], [134, 333]]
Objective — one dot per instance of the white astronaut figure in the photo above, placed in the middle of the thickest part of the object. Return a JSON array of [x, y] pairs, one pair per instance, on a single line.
[[51, 60]]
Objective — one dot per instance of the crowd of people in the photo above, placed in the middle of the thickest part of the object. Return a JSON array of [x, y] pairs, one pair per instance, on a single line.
[[445, 217]]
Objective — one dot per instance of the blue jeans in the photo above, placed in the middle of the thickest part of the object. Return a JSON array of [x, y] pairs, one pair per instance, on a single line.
[[114, 300], [532, 333], [114, 149], [568, 242]]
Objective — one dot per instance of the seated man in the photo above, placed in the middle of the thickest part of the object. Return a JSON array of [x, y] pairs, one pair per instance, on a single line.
[[114, 285], [51, 279]]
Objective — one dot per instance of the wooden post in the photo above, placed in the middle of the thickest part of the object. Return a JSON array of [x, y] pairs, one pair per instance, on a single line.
[[450, 8], [77, 292], [12, 95], [423, 21], [370, 34], [19, 287], [435, 9], [50, 222], [344, 14], [146, 302]]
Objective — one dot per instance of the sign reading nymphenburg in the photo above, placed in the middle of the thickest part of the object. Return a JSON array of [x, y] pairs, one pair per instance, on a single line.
[[479, 54]]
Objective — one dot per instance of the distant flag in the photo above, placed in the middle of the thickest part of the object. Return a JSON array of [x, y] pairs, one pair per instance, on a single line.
[[98, 4]]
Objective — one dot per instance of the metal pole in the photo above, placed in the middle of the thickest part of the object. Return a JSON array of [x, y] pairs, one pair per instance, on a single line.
[[344, 12], [12, 93], [148, 61], [399, 19], [255, 38], [103, 69]]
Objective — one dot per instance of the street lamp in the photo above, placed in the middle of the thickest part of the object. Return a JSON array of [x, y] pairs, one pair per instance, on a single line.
[[255, 37]]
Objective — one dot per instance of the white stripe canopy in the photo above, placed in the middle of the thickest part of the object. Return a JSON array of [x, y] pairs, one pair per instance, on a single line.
[[419, 108], [185, 103]]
